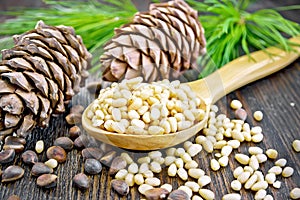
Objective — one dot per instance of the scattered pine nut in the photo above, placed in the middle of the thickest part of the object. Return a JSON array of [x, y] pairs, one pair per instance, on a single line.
[[167, 187], [39, 146], [236, 185], [277, 184], [276, 170], [295, 193], [207, 194], [235, 104], [260, 194], [204, 180], [214, 164], [268, 197], [272, 153], [296, 145], [232, 196], [255, 150], [258, 115], [281, 162], [270, 178], [287, 172], [242, 158]]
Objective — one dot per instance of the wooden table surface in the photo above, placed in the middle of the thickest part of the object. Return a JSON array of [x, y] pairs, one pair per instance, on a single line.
[[276, 95]]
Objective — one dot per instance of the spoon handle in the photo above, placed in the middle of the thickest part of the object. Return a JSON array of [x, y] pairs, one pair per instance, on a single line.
[[242, 71]]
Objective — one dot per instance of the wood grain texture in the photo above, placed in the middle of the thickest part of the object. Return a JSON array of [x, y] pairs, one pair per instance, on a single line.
[[273, 95]]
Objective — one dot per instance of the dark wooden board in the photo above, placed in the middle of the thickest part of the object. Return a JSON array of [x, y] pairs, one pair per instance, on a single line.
[[281, 125]]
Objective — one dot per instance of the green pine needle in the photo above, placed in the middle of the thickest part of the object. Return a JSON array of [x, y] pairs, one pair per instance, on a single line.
[[231, 31]]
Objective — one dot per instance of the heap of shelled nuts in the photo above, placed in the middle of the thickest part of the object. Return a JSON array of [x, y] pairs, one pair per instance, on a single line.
[[157, 108]]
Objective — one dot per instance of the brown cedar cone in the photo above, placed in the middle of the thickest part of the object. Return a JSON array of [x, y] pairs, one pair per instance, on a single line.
[[159, 44], [39, 76]]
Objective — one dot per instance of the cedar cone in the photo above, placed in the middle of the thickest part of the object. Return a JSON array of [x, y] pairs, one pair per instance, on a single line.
[[159, 44], [39, 75]]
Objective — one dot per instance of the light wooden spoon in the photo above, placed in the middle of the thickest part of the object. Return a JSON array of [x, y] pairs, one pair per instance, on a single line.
[[233, 75]]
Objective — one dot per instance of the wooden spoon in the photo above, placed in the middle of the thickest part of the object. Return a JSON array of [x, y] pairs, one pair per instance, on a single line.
[[232, 76]]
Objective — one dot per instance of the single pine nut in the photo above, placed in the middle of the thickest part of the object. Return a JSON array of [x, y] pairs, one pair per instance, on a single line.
[[52, 163], [145, 159], [237, 171], [187, 144], [255, 150], [194, 149], [148, 174], [261, 158], [160, 160], [127, 158], [236, 185], [204, 180], [171, 151], [277, 184], [251, 181], [187, 190], [223, 161], [207, 194], [139, 179], [281, 162], [258, 115], [272, 153], [232, 196], [155, 167], [116, 114], [214, 164], [172, 170], [143, 167], [268, 197], [144, 187], [129, 179], [182, 174], [260, 185], [133, 168], [196, 173], [247, 136], [248, 169], [155, 130], [39, 146], [200, 139], [260, 176], [179, 152], [236, 135], [169, 160], [257, 138], [296, 145], [167, 187], [242, 158], [270, 178], [287, 172], [196, 197], [208, 146], [191, 164], [276, 170], [243, 177], [234, 143], [256, 130], [121, 174], [254, 162], [235, 104], [179, 162], [226, 150], [153, 181], [154, 154], [220, 144], [193, 185], [186, 157], [295, 193], [260, 194]]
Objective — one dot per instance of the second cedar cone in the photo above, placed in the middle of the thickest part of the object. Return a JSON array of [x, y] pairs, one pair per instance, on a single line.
[[159, 44], [39, 76]]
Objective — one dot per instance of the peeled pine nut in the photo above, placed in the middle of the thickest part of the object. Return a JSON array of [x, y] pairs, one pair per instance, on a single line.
[[268, 197], [223, 161], [235, 104], [145, 159], [144, 187], [254, 162], [186, 157], [187, 144], [260, 176], [281, 162], [287, 172], [234, 143], [171, 151], [243, 177], [272, 153], [196, 197], [39, 146], [295, 193], [182, 174], [277, 184], [232, 196], [167, 187], [276, 170], [238, 171], [154, 154], [148, 174], [242, 158], [296, 145], [133, 168], [155, 167], [226, 150], [191, 164], [270, 178], [179, 152], [194, 149], [255, 150], [220, 144], [258, 115], [121, 174], [169, 160], [196, 173], [129, 179], [207, 194], [138, 179], [236, 185], [127, 158], [187, 190], [214, 164], [260, 194], [261, 158], [251, 181], [179, 162], [152, 181], [172, 170], [204, 180], [193, 185], [249, 169], [257, 138], [52, 163], [260, 185]]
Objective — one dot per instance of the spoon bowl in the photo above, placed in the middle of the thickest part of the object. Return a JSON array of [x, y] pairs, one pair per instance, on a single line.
[[233, 75]]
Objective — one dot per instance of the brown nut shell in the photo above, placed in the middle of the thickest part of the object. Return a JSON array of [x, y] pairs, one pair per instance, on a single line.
[[57, 153]]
